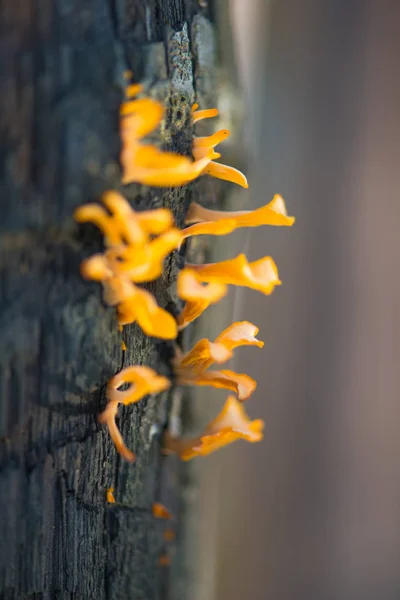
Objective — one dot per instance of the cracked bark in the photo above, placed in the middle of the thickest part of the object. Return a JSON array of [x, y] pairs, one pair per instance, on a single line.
[[62, 84]]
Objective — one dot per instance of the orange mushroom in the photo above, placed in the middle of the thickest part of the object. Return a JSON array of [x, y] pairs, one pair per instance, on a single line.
[[145, 263], [107, 417], [120, 225], [241, 384], [198, 296], [241, 333], [155, 221], [160, 511], [198, 115], [140, 117], [215, 222], [134, 255], [261, 275], [231, 424], [142, 308], [205, 353], [142, 381], [150, 166], [204, 146], [110, 495], [146, 164]]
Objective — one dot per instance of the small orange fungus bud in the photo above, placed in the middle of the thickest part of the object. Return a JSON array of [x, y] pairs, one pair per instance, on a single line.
[[230, 425], [133, 90], [198, 296], [164, 560], [123, 346], [142, 381], [110, 495], [214, 222], [260, 275], [169, 535], [161, 512]]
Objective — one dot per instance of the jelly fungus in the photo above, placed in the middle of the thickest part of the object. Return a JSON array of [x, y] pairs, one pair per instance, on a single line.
[[141, 381], [215, 222], [198, 296], [260, 275], [230, 425]]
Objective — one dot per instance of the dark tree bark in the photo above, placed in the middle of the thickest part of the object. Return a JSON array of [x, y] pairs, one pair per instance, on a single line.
[[61, 88]]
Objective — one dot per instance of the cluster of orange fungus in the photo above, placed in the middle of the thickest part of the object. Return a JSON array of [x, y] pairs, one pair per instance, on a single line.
[[192, 367], [202, 285], [141, 381], [230, 425], [136, 245], [203, 147], [203, 221], [145, 163]]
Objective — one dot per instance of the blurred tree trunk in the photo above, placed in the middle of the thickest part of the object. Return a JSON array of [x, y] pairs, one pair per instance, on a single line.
[[62, 81]]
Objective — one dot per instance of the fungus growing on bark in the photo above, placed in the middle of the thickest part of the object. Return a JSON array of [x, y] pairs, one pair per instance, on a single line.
[[164, 560], [198, 296], [160, 511], [169, 535], [240, 384], [201, 356], [217, 222], [205, 353], [142, 381], [146, 164], [260, 275], [241, 333], [231, 424], [137, 243], [190, 367], [204, 147], [110, 495], [141, 307], [198, 115]]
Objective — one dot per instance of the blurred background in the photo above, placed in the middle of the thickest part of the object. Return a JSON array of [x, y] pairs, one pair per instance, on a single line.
[[314, 510]]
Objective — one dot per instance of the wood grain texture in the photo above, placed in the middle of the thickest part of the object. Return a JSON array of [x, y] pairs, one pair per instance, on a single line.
[[62, 85]]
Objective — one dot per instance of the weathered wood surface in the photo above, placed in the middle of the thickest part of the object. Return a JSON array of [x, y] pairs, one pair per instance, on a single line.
[[61, 76]]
